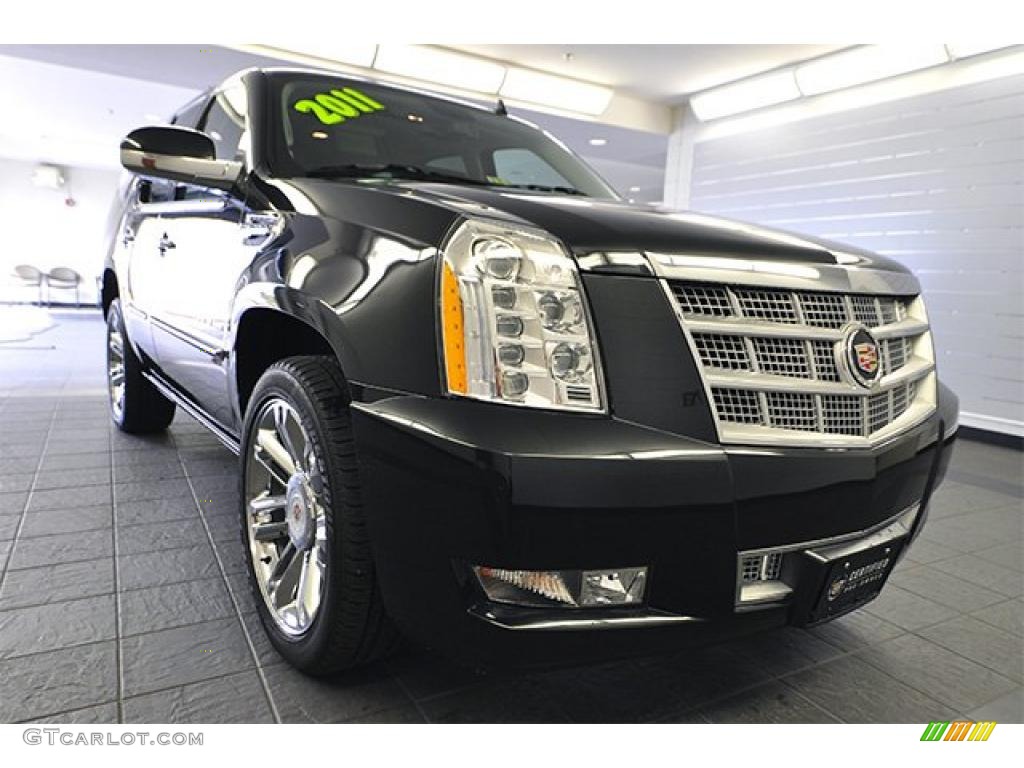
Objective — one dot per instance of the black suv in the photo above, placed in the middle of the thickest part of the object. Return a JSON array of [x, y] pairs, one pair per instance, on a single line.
[[482, 402]]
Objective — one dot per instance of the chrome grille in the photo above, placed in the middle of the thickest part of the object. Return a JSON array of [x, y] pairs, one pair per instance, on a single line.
[[773, 362], [755, 568]]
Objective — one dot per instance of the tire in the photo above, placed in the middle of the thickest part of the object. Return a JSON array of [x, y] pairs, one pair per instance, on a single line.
[[323, 613], [136, 406]]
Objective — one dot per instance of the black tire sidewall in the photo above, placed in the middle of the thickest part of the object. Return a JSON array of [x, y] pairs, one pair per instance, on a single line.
[[306, 650]]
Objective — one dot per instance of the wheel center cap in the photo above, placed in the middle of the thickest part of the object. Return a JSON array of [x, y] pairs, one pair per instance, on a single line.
[[299, 514]]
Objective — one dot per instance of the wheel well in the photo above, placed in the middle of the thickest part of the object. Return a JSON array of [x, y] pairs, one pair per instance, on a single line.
[[266, 336], [109, 292]]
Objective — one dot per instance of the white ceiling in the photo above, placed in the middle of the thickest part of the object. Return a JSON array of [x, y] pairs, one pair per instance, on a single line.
[[662, 73]]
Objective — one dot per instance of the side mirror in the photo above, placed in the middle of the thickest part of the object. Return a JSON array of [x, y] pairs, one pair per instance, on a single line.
[[179, 154]]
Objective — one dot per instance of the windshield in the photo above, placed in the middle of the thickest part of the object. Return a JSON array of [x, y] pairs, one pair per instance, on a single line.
[[338, 128]]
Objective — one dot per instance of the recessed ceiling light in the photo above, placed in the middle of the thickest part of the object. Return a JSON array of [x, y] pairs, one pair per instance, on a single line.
[[152, 117], [634, 189], [598, 142]]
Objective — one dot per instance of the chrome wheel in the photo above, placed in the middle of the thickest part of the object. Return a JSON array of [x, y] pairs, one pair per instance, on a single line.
[[286, 517], [115, 368]]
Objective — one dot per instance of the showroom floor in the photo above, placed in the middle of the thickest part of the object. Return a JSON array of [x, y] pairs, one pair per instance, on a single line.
[[124, 599]]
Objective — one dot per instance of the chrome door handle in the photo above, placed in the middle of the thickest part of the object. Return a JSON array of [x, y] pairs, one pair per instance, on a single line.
[[129, 235], [165, 244]]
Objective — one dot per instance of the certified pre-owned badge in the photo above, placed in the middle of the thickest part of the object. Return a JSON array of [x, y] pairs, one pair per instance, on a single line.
[[859, 356]]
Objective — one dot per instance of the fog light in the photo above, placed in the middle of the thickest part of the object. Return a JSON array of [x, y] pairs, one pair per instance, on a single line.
[[567, 589]]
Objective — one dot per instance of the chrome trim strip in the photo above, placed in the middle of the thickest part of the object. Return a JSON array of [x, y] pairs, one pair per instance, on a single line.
[[915, 368], [731, 326], [650, 618], [797, 276], [839, 539], [168, 391]]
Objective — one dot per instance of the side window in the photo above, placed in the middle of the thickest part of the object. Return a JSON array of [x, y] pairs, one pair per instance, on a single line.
[[188, 116], [521, 166], [224, 122]]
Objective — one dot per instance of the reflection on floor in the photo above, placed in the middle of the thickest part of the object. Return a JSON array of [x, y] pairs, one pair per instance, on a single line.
[[124, 567]]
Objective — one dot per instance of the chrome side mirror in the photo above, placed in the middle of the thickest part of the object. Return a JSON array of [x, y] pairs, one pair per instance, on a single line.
[[179, 154]]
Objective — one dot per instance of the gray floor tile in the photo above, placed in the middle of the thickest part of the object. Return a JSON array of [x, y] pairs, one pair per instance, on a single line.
[[154, 537], [156, 511], [173, 605], [144, 473], [857, 692], [17, 464], [47, 683], [73, 478], [923, 551], [101, 714], [9, 527], [424, 675], [97, 460], [237, 698], [302, 699], [12, 503], [70, 498], [953, 498], [775, 702], [266, 654], [5, 547], [150, 455], [1006, 555], [1008, 616], [225, 527], [66, 447], [946, 676], [49, 627], [57, 583], [152, 569], [1005, 709], [66, 521], [62, 548], [984, 573], [856, 630], [992, 647], [18, 483], [907, 610], [940, 587], [784, 650], [157, 489], [402, 715], [174, 657]]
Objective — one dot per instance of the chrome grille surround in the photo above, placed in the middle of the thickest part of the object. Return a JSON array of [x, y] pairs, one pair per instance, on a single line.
[[769, 356]]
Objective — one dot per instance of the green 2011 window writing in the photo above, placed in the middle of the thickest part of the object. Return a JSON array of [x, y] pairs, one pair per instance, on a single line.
[[338, 105]]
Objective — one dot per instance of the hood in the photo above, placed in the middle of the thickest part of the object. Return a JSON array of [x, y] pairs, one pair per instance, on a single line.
[[587, 225]]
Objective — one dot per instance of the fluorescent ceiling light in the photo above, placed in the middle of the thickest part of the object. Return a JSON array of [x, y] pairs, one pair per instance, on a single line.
[[963, 50], [553, 91], [598, 142], [866, 64], [357, 54], [437, 66], [745, 95]]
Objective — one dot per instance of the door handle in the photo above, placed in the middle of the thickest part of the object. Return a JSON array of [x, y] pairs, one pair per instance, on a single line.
[[129, 235], [165, 244]]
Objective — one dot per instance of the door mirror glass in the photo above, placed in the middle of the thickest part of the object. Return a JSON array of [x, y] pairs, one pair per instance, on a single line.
[[179, 154]]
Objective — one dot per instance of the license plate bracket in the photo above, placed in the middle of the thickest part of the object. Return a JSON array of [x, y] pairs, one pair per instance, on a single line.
[[853, 579]]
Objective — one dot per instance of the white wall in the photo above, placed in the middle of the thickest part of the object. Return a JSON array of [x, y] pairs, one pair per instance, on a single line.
[[42, 230], [935, 181]]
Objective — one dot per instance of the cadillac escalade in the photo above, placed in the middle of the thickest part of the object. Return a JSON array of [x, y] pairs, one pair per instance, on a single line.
[[481, 402]]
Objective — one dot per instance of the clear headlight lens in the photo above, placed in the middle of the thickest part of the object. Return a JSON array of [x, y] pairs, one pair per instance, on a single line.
[[514, 323]]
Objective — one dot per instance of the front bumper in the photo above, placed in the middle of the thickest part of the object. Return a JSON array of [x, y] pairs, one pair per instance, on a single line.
[[453, 483]]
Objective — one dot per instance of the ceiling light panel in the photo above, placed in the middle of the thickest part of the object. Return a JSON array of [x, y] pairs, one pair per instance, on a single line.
[[963, 50], [745, 95], [865, 65], [356, 54], [553, 91], [437, 66]]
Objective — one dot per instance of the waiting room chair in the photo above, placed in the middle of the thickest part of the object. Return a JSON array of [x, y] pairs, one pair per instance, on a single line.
[[31, 277], [64, 277]]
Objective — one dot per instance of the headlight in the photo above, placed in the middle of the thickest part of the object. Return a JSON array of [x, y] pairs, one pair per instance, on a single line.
[[514, 321]]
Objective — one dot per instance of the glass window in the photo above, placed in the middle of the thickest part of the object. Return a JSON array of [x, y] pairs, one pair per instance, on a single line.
[[522, 167], [335, 127], [225, 123]]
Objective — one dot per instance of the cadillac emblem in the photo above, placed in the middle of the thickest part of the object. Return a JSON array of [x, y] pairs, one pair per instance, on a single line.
[[859, 353]]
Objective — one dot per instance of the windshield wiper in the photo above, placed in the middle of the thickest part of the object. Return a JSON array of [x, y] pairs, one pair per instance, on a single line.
[[394, 171]]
